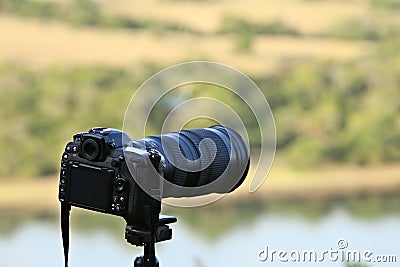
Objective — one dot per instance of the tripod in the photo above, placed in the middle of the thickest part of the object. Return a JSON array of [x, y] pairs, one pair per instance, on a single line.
[[148, 238]]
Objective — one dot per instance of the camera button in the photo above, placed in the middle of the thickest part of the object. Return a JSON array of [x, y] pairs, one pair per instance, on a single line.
[[118, 208], [120, 184]]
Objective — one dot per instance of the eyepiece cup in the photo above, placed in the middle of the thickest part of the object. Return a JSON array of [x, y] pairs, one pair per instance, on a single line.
[[90, 149]]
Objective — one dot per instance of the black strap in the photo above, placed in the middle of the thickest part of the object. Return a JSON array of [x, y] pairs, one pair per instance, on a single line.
[[65, 211]]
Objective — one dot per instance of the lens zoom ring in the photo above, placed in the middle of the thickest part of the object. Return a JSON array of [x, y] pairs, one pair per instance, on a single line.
[[221, 160]]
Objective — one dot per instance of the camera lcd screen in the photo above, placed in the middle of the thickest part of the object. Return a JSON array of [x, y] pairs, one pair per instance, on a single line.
[[91, 187]]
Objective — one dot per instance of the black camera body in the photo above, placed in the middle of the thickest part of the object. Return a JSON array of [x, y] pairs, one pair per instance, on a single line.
[[105, 171], [94, 174]]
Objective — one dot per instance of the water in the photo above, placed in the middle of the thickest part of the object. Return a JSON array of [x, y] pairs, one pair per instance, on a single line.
[[204, 237]]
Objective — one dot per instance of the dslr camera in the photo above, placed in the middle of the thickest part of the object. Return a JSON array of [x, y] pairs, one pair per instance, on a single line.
[[104, 170]]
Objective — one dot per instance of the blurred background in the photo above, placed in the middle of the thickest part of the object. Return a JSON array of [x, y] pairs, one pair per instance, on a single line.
[[329, 69]]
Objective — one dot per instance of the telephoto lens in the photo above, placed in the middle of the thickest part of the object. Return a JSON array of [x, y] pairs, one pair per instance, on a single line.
[[200, 161]]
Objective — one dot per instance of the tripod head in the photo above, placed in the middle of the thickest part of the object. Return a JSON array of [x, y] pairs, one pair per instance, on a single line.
[[148, 238], [139, 237]]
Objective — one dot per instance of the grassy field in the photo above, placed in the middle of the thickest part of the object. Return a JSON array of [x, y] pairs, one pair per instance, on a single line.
[[43, 43], [321, 32], [207, 16]]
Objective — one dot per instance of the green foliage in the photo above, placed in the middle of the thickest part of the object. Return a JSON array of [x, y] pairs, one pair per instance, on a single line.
[[40, 110], [387, 4], [27, 8], [326, 111], [83, 13], [246, 31], [305, 152], [365, 28], [240, 26]]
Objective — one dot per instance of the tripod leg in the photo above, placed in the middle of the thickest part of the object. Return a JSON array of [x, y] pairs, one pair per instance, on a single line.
[[150, 254], [149, 259]]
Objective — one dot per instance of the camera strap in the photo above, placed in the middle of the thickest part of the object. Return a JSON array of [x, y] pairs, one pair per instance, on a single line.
[[65, 212]]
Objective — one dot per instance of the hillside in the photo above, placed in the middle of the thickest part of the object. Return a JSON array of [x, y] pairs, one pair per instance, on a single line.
[[328, 69]]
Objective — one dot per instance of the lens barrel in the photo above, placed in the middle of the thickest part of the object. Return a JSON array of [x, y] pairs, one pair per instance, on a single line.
[[198, 157]]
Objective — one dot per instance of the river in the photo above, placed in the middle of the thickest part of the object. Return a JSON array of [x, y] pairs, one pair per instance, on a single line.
[[250, 235]]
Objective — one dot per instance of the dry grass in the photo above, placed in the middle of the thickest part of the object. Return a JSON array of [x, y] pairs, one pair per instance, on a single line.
[[20, 194], [326, 183], [39, 43], [306, 16]]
